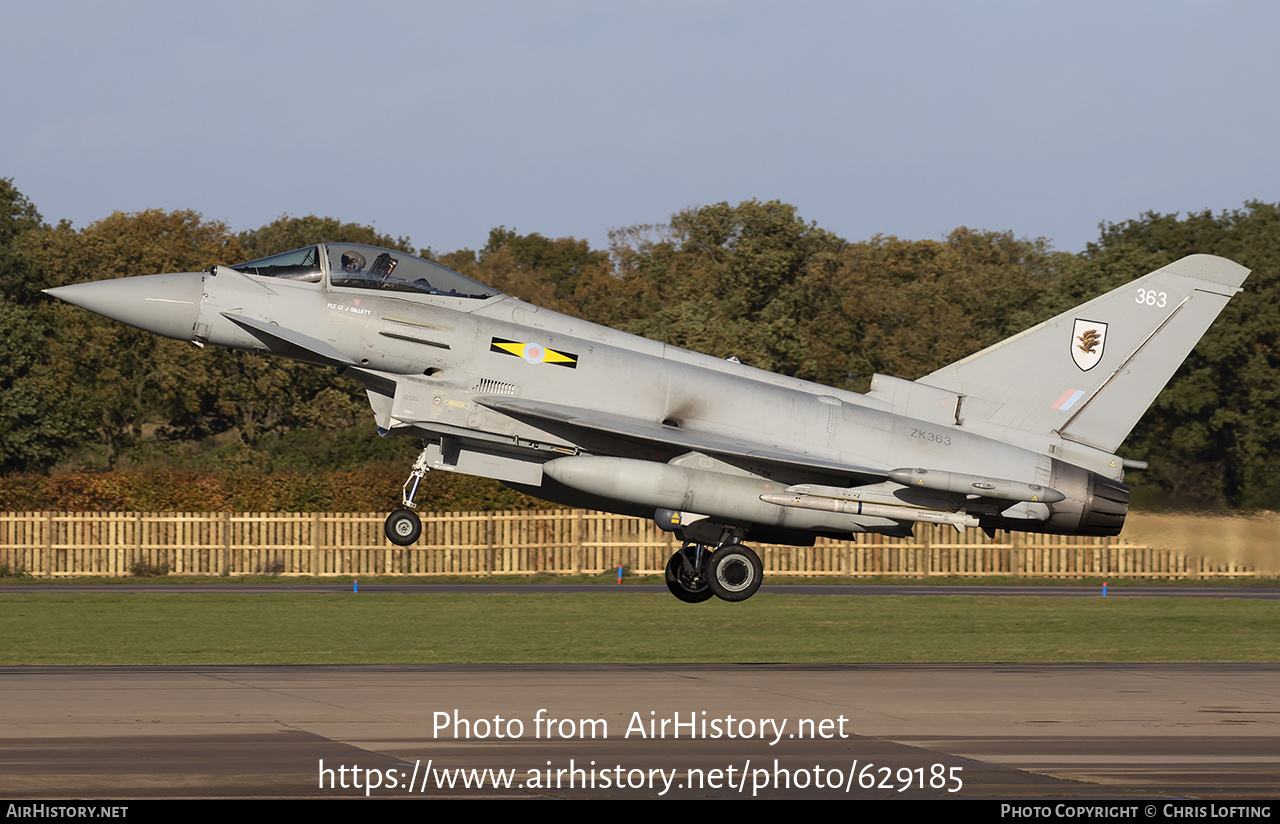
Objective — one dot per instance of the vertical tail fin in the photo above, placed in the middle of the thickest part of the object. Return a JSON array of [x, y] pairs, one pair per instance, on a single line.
[[1090, 373]]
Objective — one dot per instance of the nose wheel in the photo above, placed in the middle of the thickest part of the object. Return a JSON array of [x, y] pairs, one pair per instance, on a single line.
[[403, 526]]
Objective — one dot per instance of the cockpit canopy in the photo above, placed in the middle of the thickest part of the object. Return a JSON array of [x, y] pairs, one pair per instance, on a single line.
[[300, 264], [354, 265]]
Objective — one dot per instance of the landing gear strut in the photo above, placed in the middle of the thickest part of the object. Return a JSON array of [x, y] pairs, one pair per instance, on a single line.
[[732, 572], [403, 526]]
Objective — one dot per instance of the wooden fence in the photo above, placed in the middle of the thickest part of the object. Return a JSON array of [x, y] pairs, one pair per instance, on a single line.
[[65, 544]]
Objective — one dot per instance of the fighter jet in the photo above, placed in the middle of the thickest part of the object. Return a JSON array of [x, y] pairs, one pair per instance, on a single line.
[[1019, 436]]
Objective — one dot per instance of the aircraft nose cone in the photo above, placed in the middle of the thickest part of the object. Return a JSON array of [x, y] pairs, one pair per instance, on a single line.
[[165, 304]]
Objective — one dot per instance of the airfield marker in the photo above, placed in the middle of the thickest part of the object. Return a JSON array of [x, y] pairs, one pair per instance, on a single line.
[[355, 586], [1104, 589]]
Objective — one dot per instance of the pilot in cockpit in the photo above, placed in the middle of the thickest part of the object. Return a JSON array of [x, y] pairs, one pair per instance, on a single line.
[[352, 262]]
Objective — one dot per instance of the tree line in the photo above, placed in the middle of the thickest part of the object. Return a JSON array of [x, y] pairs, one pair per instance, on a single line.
[[91, 409]]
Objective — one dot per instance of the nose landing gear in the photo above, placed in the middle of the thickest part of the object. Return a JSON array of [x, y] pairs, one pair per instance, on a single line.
[[403, 527]]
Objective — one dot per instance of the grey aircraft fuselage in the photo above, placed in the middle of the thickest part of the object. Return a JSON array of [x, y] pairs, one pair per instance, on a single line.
[[1022, 435]]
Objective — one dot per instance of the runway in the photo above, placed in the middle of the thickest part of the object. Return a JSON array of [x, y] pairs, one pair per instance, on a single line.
[[1024, 731]]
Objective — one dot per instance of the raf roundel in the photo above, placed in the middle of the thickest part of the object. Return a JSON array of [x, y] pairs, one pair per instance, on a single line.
[[533, 353]]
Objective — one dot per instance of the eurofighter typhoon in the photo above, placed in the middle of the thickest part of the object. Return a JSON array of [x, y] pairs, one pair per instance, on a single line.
[[1021, 436]]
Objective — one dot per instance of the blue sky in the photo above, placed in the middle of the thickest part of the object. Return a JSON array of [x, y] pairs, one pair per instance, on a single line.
[[441, 120]]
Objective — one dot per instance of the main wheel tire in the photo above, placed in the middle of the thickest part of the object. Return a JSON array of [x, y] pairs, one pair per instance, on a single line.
[[403, 527], [734, 572], [685, 580]]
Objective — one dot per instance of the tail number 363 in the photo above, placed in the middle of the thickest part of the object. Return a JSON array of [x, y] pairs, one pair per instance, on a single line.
[[1150, 297]]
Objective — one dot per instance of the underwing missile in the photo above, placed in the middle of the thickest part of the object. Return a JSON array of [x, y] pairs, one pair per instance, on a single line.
[[685, 489], [959, 520], [975, 486]]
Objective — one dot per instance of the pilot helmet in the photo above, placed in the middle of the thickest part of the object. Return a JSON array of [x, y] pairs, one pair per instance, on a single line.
[[353, 262]]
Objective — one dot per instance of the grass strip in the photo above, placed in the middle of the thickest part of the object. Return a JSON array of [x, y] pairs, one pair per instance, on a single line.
[[196, 628]]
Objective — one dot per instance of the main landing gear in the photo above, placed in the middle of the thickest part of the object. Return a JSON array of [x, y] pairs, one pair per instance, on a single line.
[[732, 572], [403, 526]]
